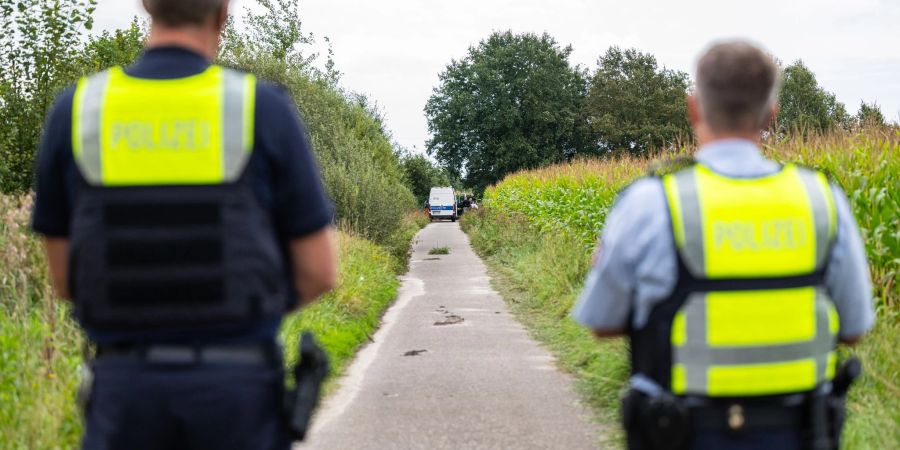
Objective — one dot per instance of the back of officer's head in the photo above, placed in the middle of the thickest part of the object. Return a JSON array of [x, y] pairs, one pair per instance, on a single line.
[[182, 13], [736, 88]]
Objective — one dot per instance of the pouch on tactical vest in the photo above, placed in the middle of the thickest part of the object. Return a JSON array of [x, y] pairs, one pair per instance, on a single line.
[[167, 231]]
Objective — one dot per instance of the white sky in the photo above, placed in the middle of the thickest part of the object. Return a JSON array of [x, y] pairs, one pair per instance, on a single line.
[[393, 50]]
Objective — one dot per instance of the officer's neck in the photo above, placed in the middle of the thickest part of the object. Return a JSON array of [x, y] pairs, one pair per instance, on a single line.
[[197, 39], [706, 136]]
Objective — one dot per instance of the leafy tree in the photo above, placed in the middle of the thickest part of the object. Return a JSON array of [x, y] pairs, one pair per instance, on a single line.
[[36, 61], [362, 173], [274, 31], [421, 175], [869, 115], [117, 48], [633, 105], [510, 104], [806, 106]]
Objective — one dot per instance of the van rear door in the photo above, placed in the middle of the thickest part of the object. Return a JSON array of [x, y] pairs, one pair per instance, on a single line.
[[442, 202]]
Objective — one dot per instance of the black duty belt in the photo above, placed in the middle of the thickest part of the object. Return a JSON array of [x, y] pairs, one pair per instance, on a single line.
[[259, 354], [737, 417]]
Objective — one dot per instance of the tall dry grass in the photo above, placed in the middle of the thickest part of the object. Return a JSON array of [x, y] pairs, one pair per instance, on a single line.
[[40, 347]]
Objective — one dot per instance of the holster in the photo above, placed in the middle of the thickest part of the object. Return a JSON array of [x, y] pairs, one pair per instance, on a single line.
[[309, 374], [655, 423], [832, 408], [85, 388]]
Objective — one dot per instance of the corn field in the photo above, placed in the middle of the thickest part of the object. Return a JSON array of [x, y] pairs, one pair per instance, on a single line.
[[576, 197]]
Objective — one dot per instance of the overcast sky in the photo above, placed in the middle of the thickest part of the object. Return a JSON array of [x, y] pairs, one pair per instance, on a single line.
[[393, 50]]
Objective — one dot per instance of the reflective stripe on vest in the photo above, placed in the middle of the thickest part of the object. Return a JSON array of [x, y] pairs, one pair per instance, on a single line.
[[188, 131], [757, 341]]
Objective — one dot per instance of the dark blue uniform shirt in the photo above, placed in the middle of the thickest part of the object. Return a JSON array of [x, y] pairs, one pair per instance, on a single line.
[[285, 172]]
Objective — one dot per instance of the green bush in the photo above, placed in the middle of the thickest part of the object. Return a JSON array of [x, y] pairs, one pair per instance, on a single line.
[[346, 318], [362, 173], [421, 175], [551, 218], [40, 348]]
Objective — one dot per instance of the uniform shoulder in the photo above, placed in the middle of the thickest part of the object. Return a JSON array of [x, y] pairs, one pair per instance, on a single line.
[[61, 111], [66, 96], [642, 191], [270, 94]]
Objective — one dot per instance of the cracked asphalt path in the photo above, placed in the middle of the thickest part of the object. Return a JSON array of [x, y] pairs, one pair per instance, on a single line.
[[451, 369]]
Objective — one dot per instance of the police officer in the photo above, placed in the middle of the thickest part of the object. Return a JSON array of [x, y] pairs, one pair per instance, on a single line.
[[184, 215], [734, 278]]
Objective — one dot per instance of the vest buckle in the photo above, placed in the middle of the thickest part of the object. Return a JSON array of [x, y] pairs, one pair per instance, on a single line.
[[736, 417]]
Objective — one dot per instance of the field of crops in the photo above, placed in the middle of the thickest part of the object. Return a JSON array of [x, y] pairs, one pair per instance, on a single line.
[[568, 203], [576, 197]]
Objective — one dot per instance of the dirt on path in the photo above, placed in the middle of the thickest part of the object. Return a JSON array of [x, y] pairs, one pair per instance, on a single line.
[[451, 369]]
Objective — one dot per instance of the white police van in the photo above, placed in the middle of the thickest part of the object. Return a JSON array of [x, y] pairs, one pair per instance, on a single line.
[[442, 203]]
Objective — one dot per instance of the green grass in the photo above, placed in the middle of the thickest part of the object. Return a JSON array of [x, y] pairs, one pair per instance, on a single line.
[[344, 319], [439, 251], [538, 229], [41, 348]]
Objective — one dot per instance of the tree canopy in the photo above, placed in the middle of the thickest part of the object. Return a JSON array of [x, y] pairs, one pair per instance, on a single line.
[[807, 106], [633, 105], [510, 104], [869, 115], [421, 175], [39, 55]]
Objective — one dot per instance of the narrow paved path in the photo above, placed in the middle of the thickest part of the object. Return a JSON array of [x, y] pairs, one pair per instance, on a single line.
[[451, 369]]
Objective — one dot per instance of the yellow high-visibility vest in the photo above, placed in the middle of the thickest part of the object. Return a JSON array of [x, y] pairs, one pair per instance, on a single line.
[[755, 319], [196, 130]]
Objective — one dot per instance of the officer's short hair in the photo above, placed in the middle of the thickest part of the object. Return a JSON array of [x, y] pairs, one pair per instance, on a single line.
[[737, 85], [182, 12]]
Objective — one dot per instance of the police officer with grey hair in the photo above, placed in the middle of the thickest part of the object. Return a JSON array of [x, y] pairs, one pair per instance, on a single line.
[[734, 278], [184, 216]]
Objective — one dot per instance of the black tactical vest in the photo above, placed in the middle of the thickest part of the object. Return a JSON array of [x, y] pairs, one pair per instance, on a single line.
[[172, 256]]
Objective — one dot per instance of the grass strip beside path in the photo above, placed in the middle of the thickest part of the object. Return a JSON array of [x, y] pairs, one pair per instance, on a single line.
[[40, 346]]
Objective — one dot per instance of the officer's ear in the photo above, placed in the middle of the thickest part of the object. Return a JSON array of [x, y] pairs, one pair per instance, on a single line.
[[693, 108], [773, 114]]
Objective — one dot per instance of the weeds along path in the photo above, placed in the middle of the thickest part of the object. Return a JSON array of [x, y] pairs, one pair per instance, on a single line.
[[451, 368]]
